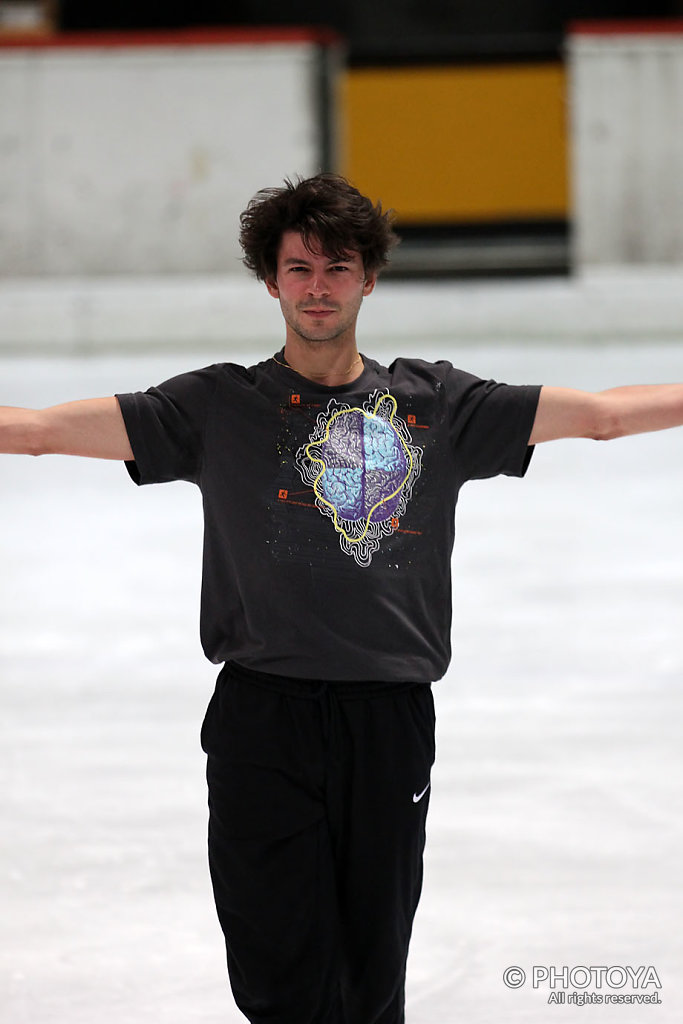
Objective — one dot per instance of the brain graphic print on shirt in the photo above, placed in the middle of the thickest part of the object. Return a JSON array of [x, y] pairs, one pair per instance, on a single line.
[[362, 466]]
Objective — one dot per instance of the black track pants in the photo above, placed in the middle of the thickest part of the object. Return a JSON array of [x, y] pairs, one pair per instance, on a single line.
[[318, 796]]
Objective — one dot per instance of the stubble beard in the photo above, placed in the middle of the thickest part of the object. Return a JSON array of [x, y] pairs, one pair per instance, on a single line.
[[315, 337], [321, 334]]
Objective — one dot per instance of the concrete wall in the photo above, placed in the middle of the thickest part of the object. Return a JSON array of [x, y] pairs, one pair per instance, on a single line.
[[138, 157], [627, 143]]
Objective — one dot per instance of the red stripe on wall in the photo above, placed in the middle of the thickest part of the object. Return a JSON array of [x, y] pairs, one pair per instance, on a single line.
[[648, 26], [183, 37]]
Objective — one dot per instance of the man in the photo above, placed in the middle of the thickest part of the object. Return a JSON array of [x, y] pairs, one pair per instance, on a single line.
[[329, 485]]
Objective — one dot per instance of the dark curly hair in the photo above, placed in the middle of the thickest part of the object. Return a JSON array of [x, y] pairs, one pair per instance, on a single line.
[[332, 216]]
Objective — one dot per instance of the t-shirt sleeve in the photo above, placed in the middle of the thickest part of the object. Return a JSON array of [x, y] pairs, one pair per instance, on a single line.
[[165, 426], [490, 425]]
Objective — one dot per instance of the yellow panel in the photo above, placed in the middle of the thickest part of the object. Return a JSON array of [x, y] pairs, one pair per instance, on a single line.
[[459, 144]]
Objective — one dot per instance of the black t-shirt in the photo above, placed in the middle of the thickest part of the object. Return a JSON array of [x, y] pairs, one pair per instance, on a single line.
[[329, 511]]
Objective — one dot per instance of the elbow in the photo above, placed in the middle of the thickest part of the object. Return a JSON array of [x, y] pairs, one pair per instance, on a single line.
[[35, 437], [22, 432], [606, 424], [605, 432]]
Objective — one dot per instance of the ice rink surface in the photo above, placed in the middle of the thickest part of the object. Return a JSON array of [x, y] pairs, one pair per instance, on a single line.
[[555, 835]]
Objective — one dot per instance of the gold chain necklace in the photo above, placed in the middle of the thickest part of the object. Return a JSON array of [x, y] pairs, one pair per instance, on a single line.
[[316, 376]]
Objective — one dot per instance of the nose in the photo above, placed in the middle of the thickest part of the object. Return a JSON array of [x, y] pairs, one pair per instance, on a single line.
[[317, 285]]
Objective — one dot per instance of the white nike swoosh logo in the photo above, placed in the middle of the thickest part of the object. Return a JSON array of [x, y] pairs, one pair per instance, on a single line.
[[418, 796]]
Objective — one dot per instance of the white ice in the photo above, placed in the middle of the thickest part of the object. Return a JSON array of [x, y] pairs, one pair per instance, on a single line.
[[555, 830]]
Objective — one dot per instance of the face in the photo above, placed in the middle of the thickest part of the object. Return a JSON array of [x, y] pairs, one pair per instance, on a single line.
[[319, 297]]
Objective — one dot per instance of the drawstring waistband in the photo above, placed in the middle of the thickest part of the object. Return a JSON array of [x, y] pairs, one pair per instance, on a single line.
[[314, 689]]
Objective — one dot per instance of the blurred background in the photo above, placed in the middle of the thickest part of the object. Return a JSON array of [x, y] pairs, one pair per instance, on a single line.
[[509, 139]]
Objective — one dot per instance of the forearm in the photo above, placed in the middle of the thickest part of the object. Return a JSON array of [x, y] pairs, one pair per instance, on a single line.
[[638, 409]]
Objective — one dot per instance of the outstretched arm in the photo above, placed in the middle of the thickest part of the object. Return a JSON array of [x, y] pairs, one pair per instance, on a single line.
[[563, 412], [93, 427]]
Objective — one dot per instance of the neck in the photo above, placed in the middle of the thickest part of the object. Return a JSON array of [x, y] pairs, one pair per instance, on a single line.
[[324, 362]]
